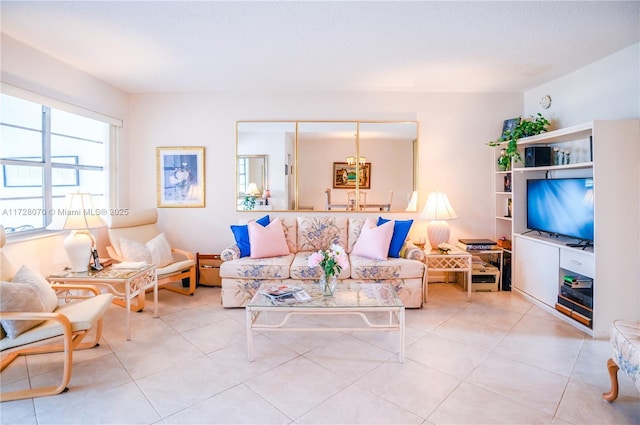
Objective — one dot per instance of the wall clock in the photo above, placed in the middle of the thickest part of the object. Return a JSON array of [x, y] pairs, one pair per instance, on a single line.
[[545, 101]]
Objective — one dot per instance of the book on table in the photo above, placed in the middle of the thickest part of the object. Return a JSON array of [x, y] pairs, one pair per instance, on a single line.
[[578, 281], [476, 244]]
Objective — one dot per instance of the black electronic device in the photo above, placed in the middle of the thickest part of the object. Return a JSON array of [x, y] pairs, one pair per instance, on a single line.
[[537, 156], [583, 296], [96, 260], [561, 207]]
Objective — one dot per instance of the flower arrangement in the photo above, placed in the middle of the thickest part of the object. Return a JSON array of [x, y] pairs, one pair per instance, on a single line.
[[332, 260], [444, 248]]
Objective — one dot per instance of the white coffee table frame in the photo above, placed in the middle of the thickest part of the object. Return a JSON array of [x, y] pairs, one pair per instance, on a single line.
[[384, 299]]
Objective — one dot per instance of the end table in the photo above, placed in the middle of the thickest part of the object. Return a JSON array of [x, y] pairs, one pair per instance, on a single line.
[[124, 284], [455, 260]]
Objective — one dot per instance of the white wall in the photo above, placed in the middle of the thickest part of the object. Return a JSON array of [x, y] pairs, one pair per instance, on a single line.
[[453, 156], [608, 89]]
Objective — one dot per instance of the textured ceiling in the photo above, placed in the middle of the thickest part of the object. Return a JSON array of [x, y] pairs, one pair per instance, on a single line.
[[186, 46]]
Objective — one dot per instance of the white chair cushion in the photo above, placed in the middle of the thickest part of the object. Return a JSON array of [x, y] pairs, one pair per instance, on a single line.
[[160, 250], [156, 251], [178, 266], [44, 290], [134, 251], [18, 297], [82, 315]]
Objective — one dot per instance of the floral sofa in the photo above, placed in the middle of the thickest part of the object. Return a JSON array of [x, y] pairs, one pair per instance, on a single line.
[[242, 276]]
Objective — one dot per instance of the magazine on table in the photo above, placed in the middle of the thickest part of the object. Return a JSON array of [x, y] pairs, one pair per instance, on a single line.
[[285, 293]]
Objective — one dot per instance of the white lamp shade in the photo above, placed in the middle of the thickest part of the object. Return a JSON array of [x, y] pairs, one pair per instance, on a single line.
[[78, 213], [438, 209], [252, 189], [413, 202]]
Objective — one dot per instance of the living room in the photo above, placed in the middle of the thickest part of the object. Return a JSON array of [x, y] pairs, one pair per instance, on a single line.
[[454, 128]]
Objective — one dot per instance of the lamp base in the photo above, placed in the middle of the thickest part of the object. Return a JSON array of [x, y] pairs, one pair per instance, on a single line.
[[438, 232], [78, 246]]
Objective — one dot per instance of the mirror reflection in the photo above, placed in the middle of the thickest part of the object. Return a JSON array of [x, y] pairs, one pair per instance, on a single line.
[[327, 166], [252, 181]]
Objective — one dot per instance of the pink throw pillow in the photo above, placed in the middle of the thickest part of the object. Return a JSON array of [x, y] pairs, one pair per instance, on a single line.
[[374, 241], [268, 241]]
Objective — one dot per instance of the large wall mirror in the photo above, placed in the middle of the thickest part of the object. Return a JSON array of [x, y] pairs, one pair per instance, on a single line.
[[326, 166]]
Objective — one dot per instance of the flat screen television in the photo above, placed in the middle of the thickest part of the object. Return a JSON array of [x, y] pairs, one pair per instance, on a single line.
[[561, 207]]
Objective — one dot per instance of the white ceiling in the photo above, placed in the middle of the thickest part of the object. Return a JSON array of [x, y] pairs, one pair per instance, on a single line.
[[202, 46]]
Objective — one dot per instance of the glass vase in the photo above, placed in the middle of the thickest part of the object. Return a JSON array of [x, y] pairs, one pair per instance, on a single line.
[[328, 284]]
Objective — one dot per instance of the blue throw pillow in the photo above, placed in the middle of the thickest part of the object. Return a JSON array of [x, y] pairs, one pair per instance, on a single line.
[[241, 234], [400, 232]]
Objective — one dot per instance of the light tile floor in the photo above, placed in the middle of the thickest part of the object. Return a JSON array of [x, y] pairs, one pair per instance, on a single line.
[[496, 359]]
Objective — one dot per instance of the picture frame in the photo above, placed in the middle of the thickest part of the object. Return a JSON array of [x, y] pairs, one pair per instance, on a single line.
[[507, 182], [180, 177], [344, 175], [509, 125]]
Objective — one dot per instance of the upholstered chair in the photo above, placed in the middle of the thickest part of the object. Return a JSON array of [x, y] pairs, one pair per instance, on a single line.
[[35, 321], [625, 349], [136, 237]]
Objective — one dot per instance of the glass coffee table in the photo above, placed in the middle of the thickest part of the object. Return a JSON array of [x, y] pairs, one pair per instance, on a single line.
[[352, 298]]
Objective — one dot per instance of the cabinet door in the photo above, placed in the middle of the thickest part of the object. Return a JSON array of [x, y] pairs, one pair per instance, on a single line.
[[537, 269]]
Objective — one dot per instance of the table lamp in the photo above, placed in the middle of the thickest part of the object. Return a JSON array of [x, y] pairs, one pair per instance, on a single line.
[[438, 210], [266, 195], [78, 216], [413, 202], [252, 189]]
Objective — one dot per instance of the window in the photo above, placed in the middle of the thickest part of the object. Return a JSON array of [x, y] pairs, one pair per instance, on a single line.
[[46, 153], [242, 175]]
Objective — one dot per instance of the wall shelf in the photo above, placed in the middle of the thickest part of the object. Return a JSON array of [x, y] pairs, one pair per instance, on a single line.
[[612, 154]]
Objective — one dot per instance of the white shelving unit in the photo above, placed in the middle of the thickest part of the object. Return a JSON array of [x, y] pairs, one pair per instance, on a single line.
[[608, 151]]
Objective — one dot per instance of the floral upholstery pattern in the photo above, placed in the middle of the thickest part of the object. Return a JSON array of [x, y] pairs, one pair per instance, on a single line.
[[290, 226], [240, 291], [409, 290], [355, 227], [315, 233], [259, 268], [625, 341], [241, 277], [391, 268], [230, 253], [301, 270]]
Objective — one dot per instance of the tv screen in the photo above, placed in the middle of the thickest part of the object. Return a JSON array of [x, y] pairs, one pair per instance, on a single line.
[[561, 207]]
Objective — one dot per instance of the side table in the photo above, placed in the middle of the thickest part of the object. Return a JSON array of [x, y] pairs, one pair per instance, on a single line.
[[455, 261], [124, 284]]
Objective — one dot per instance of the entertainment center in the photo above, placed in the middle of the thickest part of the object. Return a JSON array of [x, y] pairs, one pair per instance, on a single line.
[[573, 220]]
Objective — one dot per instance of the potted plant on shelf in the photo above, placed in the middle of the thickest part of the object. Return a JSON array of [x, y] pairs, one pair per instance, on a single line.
[[525, 128]]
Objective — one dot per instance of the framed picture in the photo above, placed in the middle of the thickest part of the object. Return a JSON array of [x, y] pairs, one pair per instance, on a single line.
[[509, 125], [507, 182], [180, 179], [344, 175]]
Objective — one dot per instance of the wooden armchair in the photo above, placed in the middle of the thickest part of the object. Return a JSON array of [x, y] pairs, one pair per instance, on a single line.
[[72, 320], [140, 227]]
